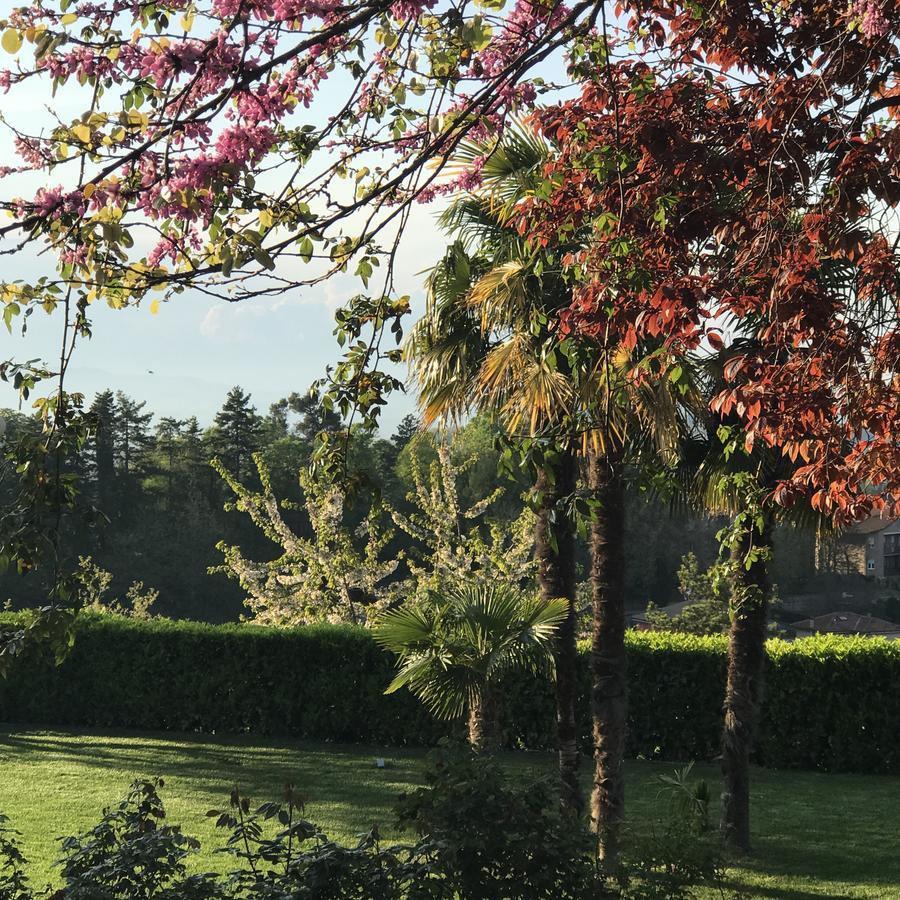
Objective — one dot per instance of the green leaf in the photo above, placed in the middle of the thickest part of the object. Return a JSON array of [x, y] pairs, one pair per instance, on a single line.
[[261, 255]]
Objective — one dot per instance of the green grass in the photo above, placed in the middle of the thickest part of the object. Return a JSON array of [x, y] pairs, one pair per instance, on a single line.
[[815, 835]]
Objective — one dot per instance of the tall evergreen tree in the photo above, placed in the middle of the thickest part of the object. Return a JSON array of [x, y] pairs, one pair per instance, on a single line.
[[410, 425], [314, 417], [238, 432], [132, 433], [100, 450], [169, 439]]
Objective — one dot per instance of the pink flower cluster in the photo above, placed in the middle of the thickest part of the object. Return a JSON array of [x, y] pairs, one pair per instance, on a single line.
[[872, 21], [51, 203], [81, 62], [285, 11], [75, 256], [468, 180], [403, 10], [271, 101], [237, 147], [32, 151], [216, 60], [524, 21], [171, 245]]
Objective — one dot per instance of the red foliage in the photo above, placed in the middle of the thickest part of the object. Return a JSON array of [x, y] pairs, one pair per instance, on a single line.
[[750, 177]]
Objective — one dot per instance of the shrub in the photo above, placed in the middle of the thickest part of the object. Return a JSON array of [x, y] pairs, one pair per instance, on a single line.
[[829, 701], [682, 849], [494, 840], [133, 854]]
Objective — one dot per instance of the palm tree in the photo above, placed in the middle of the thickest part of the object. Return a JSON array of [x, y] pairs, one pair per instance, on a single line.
[[478, 347], [630, 422], [453, 652], [488, 340]]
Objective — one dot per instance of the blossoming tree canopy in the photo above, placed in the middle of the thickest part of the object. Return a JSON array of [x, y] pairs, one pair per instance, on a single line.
[[740, 170], [214, 140]]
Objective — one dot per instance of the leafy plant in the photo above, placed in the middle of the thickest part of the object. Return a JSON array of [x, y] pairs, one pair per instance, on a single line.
[[707, 592], [456, 544], [298, 860], [495, 839], [95, 582], [453, 651], [13, 880], [682, 850], [133, 854]]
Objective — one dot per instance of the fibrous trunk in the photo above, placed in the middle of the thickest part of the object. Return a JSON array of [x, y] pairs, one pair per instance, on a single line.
[[743, 692], [484, 721], [555, 549], [608, 671]]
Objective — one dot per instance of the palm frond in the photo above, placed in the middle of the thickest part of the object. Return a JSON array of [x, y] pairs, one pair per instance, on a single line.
[[449, 652]]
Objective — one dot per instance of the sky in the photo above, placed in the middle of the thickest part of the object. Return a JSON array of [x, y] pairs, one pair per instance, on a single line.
[[184, 359]]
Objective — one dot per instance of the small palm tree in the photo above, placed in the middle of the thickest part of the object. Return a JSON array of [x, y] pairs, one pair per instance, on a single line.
[[453, 653]]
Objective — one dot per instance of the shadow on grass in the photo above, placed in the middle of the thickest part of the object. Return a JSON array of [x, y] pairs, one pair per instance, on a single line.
[[345, 780], [778, 893]]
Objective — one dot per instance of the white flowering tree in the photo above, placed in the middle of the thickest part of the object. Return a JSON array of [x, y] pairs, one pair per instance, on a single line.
[[336, 575], [459, 546]]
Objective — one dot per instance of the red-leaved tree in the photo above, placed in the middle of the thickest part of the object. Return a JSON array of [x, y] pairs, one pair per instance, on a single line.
[[738, 174]]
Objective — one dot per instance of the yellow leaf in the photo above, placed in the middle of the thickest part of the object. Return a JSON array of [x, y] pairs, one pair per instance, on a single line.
[[68, 19], [11, 40], [154, 307], [265, 218], [187, 21], [89, 190], [83, 133]]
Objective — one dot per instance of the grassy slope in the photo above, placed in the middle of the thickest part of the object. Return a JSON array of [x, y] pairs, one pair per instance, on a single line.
[[815, 835]]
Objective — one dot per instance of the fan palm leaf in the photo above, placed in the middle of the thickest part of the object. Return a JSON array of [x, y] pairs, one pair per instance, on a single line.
[[449, 652]]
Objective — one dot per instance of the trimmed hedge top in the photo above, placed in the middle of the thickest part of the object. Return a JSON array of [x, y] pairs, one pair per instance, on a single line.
[[830, 702]]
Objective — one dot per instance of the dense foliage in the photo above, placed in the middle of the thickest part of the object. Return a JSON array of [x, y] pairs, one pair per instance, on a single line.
[[736, 163], [830, 702], [160, 506]]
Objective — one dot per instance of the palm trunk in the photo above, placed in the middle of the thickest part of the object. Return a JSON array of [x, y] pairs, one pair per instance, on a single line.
[[555, 550], [743, 692], [608, 689], [484, 721]]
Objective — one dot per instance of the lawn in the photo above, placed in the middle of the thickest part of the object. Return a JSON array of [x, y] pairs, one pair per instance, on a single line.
[[816, 835]]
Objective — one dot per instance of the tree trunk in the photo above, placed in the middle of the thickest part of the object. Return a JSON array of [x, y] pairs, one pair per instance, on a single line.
[[743, 692], [555, 550], [608, 673], [484, 721]]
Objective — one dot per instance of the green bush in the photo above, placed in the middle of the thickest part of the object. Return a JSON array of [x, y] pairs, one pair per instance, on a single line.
[[495, 838], [831, 703]]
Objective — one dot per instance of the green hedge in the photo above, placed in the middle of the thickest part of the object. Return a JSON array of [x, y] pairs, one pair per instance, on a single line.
[[831, 703]]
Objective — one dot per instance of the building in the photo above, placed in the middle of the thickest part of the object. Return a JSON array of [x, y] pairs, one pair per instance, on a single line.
[[847, 623], [870, 548]]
